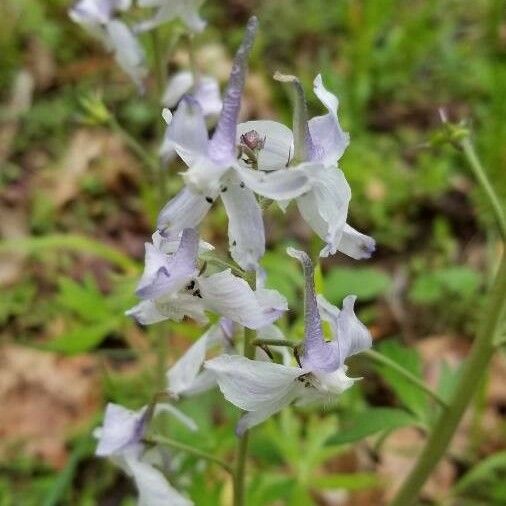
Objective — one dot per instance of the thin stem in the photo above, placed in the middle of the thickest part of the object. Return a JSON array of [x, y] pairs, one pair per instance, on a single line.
[[143, 155], [387, 362], [242, 450], [273, 342], [480, 174], [172, 443], [472, 373]]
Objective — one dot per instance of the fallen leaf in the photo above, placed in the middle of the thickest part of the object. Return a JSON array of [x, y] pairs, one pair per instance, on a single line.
[[44, 397]]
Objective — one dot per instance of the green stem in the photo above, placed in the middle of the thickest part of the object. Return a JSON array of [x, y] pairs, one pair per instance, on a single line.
[[472, 373], [172, 443], [273, 342], [242, 450], [480, 174], [387, 362], [77, 243], [143, 155]]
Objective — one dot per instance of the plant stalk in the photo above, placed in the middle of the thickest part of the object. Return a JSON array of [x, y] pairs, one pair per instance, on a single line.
[[387, 362], [480, 174], [473, 370], [242, 450], [172, 443]]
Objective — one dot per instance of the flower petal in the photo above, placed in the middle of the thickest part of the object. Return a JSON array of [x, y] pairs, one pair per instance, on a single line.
[[186, 10], [233, 298], [121, 429], [153, 488], [165, 407], [146, 313], [164, 274], [207, 94], [128, 51], [179, 84], [283, 184], [181, 376], [222, 145], [186, 210], [349, 333], [176, 307], [355, 244], [326, 132], [325, 207], [318, 355], [260, 387], [188, 131], [246, 237], [278, 143]]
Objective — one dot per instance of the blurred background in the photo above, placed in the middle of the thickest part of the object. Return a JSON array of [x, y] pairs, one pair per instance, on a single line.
[[76, 206]]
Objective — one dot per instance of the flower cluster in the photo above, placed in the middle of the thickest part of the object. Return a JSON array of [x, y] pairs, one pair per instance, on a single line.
[[240, 164]]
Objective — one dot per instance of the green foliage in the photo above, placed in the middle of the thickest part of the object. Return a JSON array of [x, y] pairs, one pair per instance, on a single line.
[[411, 396], [443, 284], [92, 315], [371, 421], [367, 283], [485, 483]]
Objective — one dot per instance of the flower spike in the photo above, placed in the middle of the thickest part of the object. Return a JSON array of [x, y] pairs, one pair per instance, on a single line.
[[222, 144]]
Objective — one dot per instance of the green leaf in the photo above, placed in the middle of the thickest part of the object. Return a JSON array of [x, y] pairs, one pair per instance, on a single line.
[[486, 481], [371, 421], [366, 283], [82, 338], [459, 281], [411, 396]]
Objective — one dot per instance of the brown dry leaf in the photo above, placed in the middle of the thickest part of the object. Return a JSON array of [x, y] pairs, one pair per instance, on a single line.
[[398, 456], [43, 398], [85, 147]]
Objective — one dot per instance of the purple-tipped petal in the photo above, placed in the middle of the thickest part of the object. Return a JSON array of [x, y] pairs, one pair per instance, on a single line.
[[305, 149], [318, 355], [355, 244], [164, 274], [122, 429], [222, 145]]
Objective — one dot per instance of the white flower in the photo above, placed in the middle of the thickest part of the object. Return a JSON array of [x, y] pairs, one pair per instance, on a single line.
[[311, 154], [120, 438], [167, 10], [205, 91], [264, 388], [172, 287], [98, 17]]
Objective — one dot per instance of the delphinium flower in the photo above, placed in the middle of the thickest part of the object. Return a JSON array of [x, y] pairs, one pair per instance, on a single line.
[[274, 155], [263, 388], [212, 164], [166, 10], [172, 286], [120, 439], [100, 18]]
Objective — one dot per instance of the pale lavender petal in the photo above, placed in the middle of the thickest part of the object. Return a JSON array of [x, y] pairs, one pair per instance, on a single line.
[[182, 375], [207, 94], [179, 84], [232, 297], [153, 488], [165, 407], [317, 355], [326, 132], [166, 274], [222, 145], [122, 429], [277, 139], [355, 244], [325, 207], [188, 131], [186, 210], [128, 52], [246, 237], [283, 184], [146, 313], [186, 10], [92, 11], [353, 334], [181, 305]]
